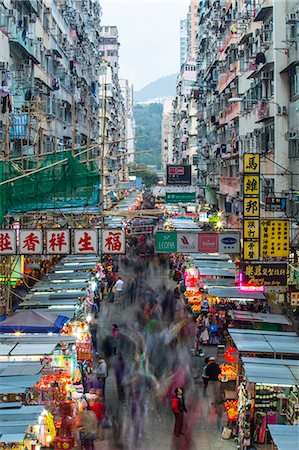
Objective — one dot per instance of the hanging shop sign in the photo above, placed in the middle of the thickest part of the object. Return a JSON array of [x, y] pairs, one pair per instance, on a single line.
[[61, 241], [276, 204], [294, 298], [114, 241], [85, 242], [8, 244], [208, 242], [187, 242], [166, 242], [197, 242], [31, 242], [263, 274], [180, 197], [251, 207], [178, 175], [274, 238]]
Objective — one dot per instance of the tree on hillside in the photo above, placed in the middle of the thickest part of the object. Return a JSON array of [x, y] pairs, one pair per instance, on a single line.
[[148, 120], [149, 178]]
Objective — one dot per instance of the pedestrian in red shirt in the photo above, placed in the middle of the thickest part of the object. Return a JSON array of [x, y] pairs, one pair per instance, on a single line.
[[97, 405], [179, 408]]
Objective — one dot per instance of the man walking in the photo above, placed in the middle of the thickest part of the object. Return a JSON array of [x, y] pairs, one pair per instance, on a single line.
[[179, 408], [119, 287]]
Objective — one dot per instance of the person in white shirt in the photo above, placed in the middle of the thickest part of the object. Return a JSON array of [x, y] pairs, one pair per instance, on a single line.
[[119, 287]]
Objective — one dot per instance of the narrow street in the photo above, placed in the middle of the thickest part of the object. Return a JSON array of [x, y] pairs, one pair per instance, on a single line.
[[201, 419]]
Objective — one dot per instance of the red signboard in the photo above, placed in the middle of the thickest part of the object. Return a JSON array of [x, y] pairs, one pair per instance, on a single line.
[[208, 243]]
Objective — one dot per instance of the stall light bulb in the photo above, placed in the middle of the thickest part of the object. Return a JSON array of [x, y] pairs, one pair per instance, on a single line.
[[48, 438], [93, 285], [219, 224], [37, 447]]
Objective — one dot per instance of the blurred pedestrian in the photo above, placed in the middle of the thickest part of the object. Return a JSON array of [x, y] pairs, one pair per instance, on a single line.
[[101, 370], [87, 426], [119, 372], [179, 408], [204, 375], [97, 405]]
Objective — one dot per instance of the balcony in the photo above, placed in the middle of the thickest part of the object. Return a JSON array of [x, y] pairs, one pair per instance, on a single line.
[[21, 42], [229, 186], [31, 5], [230, 113], [228, 77]]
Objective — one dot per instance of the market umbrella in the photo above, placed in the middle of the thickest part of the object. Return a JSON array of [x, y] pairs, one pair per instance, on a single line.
[[31, 321]]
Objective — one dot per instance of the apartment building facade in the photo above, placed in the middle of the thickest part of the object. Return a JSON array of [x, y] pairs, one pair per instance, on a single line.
[[183, 41], [49, 67], [167, 133], [247, 100]]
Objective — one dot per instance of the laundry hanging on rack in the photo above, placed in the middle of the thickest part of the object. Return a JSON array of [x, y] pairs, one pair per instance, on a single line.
[[260, 58]]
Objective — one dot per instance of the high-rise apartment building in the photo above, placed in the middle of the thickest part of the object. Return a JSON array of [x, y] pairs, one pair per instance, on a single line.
[[246, 92], [183, 41], [167, 133]]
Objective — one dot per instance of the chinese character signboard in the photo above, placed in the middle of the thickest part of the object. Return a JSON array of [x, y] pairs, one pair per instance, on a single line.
[[251, 229], [8, 242], [31, 242], [178, 175], [275, 235], [57, 242], [251, 250], [294, 298], [263, 274], [85, 242], [114, 241], [251, 207], [252, 163], [276, 204], [180, 197]]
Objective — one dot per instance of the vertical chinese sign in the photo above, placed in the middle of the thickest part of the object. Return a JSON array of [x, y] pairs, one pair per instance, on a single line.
[[251, 207]]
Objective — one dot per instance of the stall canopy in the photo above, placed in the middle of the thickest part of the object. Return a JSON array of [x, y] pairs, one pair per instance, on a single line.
[[218, 282], [273, 372], [211, 257], [59, 286], [235, 293], [285, 437], [214, 264], [14, 422], [215, 272], [248, 316], [28, 321], [259, 341]]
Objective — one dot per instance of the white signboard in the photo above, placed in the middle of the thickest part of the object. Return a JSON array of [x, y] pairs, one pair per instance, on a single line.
[[229, 243], [31, 242], [187, 242], [85, 242], [57, 242], [8, 242], [114, 241]]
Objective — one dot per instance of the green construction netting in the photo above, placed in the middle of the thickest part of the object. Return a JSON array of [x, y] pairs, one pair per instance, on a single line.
[[68, 185]]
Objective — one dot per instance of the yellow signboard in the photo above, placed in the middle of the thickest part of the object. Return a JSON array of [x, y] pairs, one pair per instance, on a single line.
[[251, 229], [251, 185], [251, 250], [251, 163], [251, 207], [275, 238]]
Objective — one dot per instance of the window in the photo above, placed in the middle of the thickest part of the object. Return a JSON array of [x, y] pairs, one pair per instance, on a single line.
[[294, 83], [294, 148]]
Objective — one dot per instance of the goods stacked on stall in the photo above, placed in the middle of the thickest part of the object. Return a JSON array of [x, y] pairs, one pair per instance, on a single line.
[[83, 339], [292, 407]]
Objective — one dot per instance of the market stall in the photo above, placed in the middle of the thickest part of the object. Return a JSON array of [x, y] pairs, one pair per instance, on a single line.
[[268, 394], [28, 321], [264, 343], [284, 437], [260, 321]]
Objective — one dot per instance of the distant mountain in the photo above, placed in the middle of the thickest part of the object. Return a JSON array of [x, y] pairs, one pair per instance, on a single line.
[[161, 88]]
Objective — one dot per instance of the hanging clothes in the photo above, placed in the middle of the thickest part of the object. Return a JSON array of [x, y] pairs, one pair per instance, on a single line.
[[260, 58]]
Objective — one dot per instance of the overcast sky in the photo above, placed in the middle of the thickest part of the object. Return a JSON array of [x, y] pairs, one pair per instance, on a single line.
[[149, 35]]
